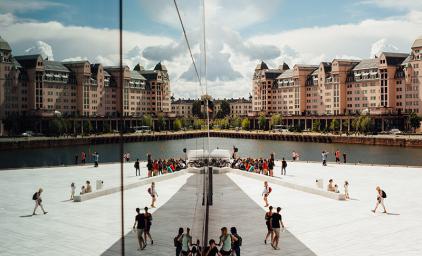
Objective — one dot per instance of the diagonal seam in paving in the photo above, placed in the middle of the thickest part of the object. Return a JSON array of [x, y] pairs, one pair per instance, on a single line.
[[232, 207]]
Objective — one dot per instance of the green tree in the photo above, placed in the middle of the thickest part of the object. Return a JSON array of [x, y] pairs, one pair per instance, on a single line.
[[275, 120], [56, 127], [225, 108], [147, 120], [334, 125], [198, 123], [414, 121], [365, 124], [246, 123], [177, 124], [261, 121], [235, 121], [197, 109], [316, 126], [161, 122]]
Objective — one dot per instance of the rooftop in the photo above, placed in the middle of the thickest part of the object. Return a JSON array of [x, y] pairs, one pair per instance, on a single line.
[[367, 64]]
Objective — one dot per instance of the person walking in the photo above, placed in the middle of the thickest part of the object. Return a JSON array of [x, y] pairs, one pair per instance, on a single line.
[[226, 240], [76, 159], [153, 193], [137, 169], [178, 242], [83, 157], [381, 195], [337, 155], [236, 244], [268, 216], [96, 159], [72, 190], [186, 240], [344, 157], [38, 201], [148, 223], [283, 166], [271, 167], [324, 156], [276, 220], [266, 193], [149, 167], [140, 225]]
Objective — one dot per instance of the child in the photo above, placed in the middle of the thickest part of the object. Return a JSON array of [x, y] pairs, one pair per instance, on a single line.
[[346, 189], [72, 190]]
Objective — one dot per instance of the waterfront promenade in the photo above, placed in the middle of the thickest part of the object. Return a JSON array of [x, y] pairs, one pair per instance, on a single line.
[[315, 224]]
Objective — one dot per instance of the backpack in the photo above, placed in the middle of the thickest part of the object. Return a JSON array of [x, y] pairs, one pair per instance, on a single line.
[[384, 195], [35, 196], [149, 191], [269, 190], [239, 240]]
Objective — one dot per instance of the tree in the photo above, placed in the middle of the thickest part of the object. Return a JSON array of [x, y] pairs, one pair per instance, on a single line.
[[197, 109], [275, 120], [225, 108], [177, 124], [334, 125], [161, 122], [362, 124], [147, 120], [235, 121], [246, 123], [316, 125], [415, 121], [56, 127], [261, 121], [197, 123]]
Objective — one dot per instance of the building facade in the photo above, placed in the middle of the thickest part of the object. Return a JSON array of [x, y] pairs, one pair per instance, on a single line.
[[387, 84], [31, 85]]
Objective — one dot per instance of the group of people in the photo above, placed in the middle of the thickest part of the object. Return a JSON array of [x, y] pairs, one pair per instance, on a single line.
[[333, 187], [159, 167], [95, 157], [229, 244], [337, 155], [274, 223], [261, 166], [142, 226], [87, 188]]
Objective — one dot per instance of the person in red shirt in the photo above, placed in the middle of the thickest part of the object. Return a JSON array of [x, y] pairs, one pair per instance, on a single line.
[[265, 167], [83, 157], [337, 154]]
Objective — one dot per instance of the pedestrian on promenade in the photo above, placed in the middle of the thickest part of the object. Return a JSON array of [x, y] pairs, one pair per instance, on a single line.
[[346, 189], [140, 225], [38, 201], [266, 193], [148, 223], [83, 157], [271, 167], [324, 156], [212, 250], [265, 167], [127, 157], [337, 154], [88, 188], [268, 216], [186, 240], [76, 159], [344, 157], [294, 156], [96, 159], [153, 194], [72, 190], [381, 195], [276, 220], [236, 244], [283, 166], [178, 242], [137, 169], [226, 242], [149, 166]]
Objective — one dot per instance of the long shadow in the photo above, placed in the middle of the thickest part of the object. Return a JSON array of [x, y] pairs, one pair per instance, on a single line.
[[26, 216]]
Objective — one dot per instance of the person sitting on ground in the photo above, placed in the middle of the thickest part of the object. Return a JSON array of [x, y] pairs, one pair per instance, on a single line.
[[331, 186], [88, 188], [336, 188], [83, 190]]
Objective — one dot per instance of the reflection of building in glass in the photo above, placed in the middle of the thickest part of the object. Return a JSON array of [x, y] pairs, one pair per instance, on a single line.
[[387, 83], [32, 85]]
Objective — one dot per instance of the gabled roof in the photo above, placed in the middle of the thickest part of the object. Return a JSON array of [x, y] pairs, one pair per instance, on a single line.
[[394, 58], [261, 66], [149, 74], [4, 45], [418, 42], [286, 74], [366, 64], [327, 66], [272, 73], [406, 61], [306, 66], [28, 61], [135, 75], [160, 67], [138, 67], [55, 66], [283, 66], [16, 64]]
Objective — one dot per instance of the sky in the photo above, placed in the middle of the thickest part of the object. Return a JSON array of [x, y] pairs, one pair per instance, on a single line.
[[239, 35]]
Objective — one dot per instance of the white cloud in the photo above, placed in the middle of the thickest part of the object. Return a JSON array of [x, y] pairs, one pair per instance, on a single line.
[[77, 58], [382, 46], [402, 4], [42, 48]]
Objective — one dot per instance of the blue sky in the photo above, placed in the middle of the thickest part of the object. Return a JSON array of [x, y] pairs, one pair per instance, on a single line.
[[240, 33]]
